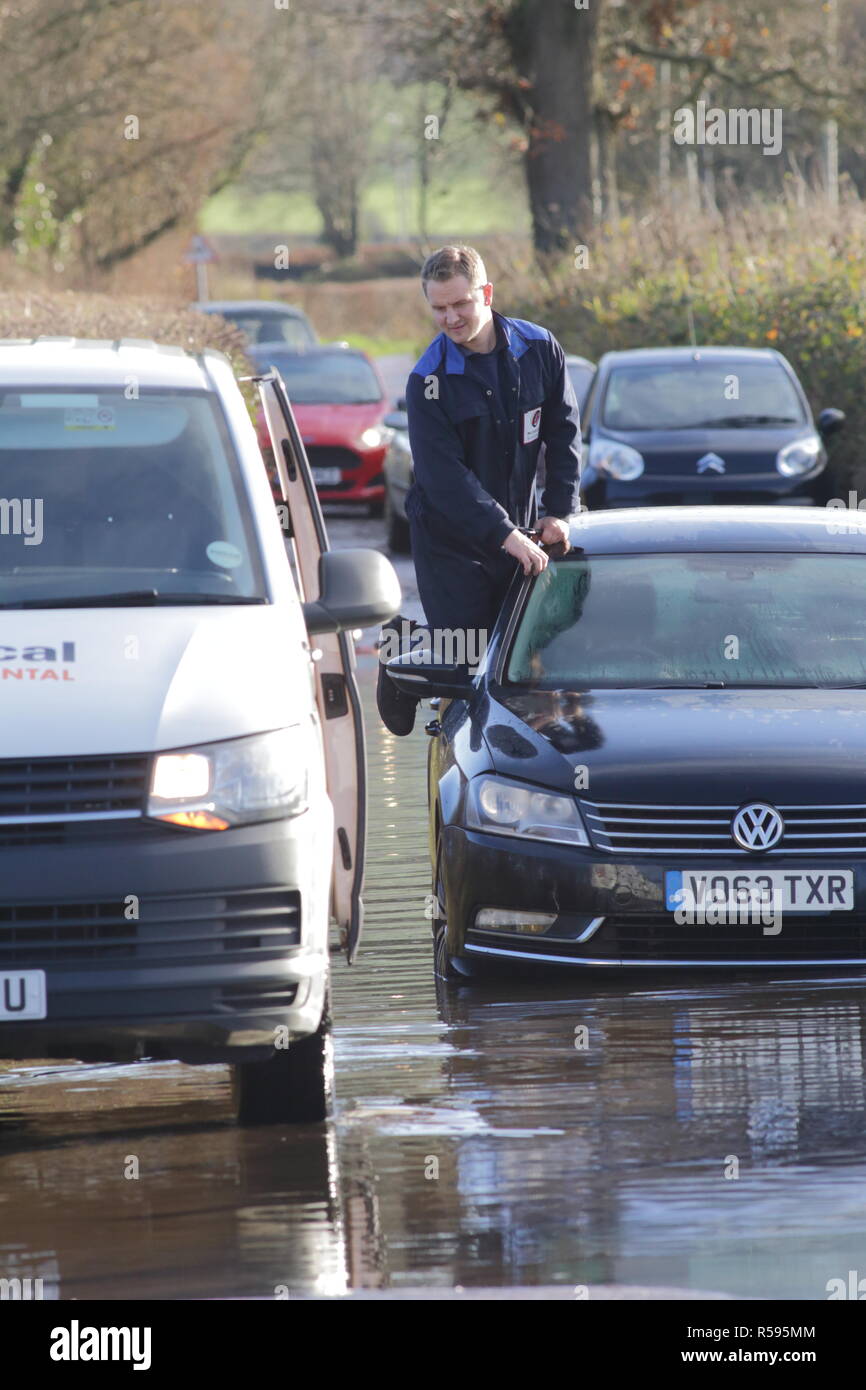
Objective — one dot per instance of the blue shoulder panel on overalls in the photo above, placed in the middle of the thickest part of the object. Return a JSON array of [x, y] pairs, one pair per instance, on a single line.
[[430, 358], [529, 330]]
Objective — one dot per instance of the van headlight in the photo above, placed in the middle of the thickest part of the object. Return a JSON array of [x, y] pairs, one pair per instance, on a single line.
[[500, 807], [620, 461], [800, 456], [214, 786]]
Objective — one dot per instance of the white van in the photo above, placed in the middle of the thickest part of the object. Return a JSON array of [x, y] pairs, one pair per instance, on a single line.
[[178, 761]]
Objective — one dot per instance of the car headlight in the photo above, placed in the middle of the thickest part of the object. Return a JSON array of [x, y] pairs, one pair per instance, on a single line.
[[621, 461], [499, 807], [374, 436], [217, 785], [800, 456]]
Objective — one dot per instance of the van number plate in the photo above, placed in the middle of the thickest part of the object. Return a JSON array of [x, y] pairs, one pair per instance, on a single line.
[[22, 995]]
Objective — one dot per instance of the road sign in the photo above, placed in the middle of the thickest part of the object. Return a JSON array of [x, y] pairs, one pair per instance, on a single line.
[[200, 251]]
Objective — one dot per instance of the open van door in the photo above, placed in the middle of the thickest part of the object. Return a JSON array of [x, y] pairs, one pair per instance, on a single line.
[[337, 694]]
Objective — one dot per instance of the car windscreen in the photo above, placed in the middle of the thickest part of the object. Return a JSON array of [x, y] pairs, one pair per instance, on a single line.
[[103, 495], [327, 378], [661, 620], [707, 394]]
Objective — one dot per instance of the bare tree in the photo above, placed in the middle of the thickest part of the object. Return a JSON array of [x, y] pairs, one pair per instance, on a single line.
[[117, 117]]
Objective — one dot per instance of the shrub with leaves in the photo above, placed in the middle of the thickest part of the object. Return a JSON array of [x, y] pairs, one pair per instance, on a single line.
[[787, 278], [64, 313]]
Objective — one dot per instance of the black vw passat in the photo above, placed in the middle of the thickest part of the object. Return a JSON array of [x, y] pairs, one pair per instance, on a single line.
[[681, 425], [667, 734]]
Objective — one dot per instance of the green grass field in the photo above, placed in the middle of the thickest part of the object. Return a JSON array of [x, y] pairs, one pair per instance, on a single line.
[[467, 207]]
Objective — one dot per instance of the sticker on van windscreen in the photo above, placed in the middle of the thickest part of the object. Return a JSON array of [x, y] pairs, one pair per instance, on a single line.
[[225, 554], [90, 418]]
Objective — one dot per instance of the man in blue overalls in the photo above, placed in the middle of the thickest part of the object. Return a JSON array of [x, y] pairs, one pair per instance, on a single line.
[[488, 391]]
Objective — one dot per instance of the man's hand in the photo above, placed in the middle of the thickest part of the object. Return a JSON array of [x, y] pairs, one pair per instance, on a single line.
[[531, 556], [554, 532]]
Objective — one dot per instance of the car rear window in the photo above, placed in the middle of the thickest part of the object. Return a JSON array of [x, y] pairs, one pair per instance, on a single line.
[[285, 329], [100, 493], [770, 620], [708, 394], [325, 378]]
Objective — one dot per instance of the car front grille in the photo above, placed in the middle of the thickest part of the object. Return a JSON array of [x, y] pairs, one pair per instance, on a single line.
[[626, 828], [836, 936], [243, 998], [331, 456], [188, 929], [63, 787]]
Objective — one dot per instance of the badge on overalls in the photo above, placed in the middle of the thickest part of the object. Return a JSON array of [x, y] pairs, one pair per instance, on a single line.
[[531, 424]]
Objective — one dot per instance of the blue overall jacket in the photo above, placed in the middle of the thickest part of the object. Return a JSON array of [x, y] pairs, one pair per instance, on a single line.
[[476, 428]]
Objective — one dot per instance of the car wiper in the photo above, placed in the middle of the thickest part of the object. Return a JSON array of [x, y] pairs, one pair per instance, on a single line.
[[688, 685], [736, 422], [133, 598]]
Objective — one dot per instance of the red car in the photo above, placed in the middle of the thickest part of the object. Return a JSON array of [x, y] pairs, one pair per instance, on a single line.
[[339, 402]]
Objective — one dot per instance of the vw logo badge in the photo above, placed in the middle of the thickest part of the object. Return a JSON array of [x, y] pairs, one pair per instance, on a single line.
[[710, 463], [757, 826]]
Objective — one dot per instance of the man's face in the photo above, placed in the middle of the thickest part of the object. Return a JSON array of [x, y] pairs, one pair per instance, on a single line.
[[459, 310]]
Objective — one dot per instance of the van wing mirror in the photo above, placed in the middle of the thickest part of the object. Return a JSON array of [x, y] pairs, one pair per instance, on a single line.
[[357, 588]]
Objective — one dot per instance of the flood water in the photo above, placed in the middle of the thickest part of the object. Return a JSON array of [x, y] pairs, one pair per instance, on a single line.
[[710, 1135]]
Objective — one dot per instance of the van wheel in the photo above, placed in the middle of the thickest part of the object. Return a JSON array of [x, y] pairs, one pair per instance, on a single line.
[[293, 1086]]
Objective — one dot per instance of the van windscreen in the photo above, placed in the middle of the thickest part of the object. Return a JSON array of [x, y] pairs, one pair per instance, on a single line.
[[102, 495]]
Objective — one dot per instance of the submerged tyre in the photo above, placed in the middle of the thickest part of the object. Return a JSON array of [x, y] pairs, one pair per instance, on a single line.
[[295, 1085], [444, 965]]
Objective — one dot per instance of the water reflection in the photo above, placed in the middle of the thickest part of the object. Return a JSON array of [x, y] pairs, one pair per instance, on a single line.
[[137, 1200], [557, 1164], [709, 1135]]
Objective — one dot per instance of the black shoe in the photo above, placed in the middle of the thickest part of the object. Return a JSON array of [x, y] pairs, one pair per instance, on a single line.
[[396, 710]]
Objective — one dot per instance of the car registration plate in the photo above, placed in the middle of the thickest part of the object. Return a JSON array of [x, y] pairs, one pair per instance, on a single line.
[[326, 477], [22, 995], [796, 890]]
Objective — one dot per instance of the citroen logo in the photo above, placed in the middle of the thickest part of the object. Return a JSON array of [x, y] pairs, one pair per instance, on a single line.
[[757, 826], [710, 463]]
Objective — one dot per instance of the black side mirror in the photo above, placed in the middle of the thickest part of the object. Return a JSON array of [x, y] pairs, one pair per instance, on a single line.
[[357, 588], [400, 404], [830, 421], [416, 673]]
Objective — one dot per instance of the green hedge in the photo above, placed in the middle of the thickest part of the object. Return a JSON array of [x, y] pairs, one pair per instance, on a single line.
[[67, 313]]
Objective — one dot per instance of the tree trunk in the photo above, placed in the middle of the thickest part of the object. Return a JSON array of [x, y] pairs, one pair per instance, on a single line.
[[553, 49], [606, 135]]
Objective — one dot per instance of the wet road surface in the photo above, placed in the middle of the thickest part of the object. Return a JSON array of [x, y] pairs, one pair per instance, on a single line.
[[710, 1135]]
